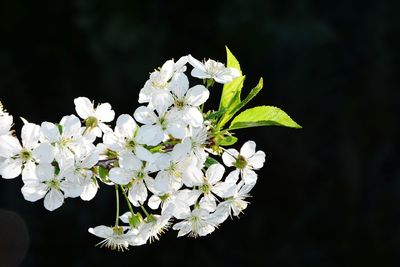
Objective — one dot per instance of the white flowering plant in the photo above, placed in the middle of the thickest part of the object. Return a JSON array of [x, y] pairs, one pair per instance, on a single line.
[[166, 161]]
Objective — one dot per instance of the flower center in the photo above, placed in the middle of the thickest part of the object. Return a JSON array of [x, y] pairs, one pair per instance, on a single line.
[[205, 188], [164, 197], [91, 122], [25, 155], [54, 183], [179, 104], [241, 162], [131, 144]]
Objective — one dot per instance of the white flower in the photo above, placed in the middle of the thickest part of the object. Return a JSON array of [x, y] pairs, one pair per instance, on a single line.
[[236, 203], [81, 172], [211, 69], [246, 161], [155, 226], [115, 238], [124, 139], [178, 203], [157, 128], [95, 118], [156, 90], [198, 140], [24, 158], [210, 184], [50, 185], [65, 136], [198, 223], [174, 167], [132, 171], [187, 101]]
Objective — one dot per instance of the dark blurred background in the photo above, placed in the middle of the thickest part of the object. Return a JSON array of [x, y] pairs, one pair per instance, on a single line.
[[329, 194]]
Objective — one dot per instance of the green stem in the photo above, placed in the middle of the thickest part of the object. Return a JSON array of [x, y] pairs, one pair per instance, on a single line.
[[117, 199], [127, 200], [145, 211]]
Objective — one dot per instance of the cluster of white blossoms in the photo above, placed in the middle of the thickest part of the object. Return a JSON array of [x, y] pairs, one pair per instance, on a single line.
[[161, 160]]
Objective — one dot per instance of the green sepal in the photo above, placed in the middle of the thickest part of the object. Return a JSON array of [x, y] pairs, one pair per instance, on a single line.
[[228, 140]]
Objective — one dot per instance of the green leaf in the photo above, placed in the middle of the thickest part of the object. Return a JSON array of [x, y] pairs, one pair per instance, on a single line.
[[249, 97], [210, 161], [234, 109], [228, 140], [230, 89], [262, 116]]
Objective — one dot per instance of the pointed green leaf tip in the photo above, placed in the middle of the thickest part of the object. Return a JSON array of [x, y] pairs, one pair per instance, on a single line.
[[231, 91], [231, 61], [262, 116]]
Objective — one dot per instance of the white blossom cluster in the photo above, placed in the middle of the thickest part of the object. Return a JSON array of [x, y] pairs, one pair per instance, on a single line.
[[160, 160]]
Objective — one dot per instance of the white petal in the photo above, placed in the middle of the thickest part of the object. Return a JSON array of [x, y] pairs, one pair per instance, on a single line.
[[192, 176], [6, 122], [71, 188], [184, 228], [84, 108], [11, 168], [214, 173], [125, 217], [248, 149], [208, 203], [180, 210], [101, 231], [234, 73], [167, 70], [34, 191], [249, 176], [120, 176], [9, 146], [154, 202], [44, 153], [90, 160], [50, 131], [179, 85], [143, 154], [193, 116], [89, 191], [233, 177], [71, 126], [188, 196], [129, 161], [53, 200], [228, 157], [200, 74], [112, 141], [30, 134], [138, 193], [196, 63], [257, 160], [126, 126], [145, 115], [45, 172], [224, 189], [104, 112], [161, 101], [150, 135], [197, 95], [29, 172], [177, 130]]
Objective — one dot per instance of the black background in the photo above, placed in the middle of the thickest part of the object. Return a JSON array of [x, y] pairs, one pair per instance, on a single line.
[[329, 194]]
